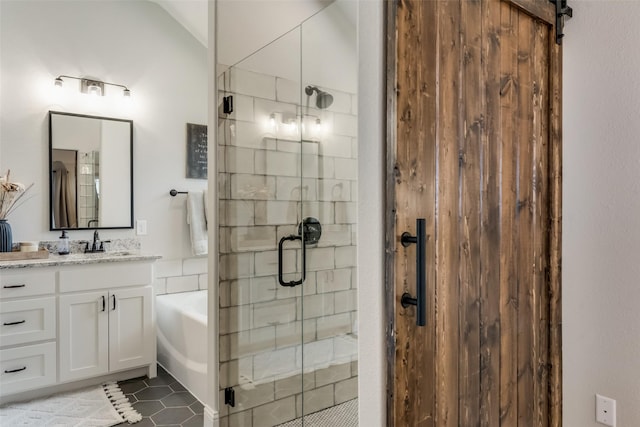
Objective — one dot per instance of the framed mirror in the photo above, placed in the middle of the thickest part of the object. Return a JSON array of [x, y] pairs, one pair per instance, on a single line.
[[90, 172]]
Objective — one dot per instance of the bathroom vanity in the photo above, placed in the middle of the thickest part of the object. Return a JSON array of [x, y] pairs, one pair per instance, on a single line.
[[75, 320]]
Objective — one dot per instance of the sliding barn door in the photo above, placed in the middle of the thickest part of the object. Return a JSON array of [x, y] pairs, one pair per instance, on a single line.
[[474, 150]]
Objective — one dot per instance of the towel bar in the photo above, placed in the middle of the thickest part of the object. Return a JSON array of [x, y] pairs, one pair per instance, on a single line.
[[173, 192]]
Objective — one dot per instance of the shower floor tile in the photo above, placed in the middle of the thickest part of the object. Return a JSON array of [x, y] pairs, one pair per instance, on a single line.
[[342, 415], [162, 401]]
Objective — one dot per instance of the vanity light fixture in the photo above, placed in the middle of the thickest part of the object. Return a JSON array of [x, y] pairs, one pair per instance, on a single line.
[[92, 86], [292, 124]]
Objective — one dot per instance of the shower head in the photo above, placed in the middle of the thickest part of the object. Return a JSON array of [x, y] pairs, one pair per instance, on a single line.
[[323, 99]]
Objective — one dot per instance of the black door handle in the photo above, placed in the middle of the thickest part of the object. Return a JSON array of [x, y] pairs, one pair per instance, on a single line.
[[104, 303], [280, 261], [114, 302], [420, 301]]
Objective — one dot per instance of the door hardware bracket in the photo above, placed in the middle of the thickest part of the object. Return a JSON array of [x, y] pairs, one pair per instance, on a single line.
[[563, 11], [227, 104], [230, 397]]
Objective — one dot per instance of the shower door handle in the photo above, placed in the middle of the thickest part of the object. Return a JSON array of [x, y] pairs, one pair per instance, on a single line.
[[420, 301], [280, 261]]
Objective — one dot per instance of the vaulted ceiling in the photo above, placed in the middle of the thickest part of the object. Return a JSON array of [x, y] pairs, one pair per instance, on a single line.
[[245, 25]]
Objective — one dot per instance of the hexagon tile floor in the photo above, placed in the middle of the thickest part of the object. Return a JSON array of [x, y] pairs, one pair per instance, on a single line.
[[162, 401]]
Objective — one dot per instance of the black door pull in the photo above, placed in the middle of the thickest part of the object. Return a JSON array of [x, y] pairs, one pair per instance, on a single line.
[[420, 301], [280, 262], [19, 322]]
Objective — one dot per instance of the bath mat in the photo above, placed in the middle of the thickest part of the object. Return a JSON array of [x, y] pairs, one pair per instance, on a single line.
[[97, 406]]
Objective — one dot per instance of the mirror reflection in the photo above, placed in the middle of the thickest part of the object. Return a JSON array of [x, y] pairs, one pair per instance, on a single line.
[[91, 171]]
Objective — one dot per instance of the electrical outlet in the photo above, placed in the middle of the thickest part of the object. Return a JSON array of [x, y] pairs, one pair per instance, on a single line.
[[141, 227], [605, 410]]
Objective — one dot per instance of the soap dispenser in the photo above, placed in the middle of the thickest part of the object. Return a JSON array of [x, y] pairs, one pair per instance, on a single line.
[[63, 243]]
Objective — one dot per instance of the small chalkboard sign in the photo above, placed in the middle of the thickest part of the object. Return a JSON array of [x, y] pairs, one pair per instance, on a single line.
[[196, 151]]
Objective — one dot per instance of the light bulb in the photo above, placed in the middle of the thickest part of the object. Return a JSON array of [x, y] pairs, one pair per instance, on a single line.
[[93, 90], [272, 121], [57, 90], [126, 97], [318, 126]]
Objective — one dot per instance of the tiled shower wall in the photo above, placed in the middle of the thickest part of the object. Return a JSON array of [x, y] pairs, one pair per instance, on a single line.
[[269, 181], [180, 275], [88, 165]]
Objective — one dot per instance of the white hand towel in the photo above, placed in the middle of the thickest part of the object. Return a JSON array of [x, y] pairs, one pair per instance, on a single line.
[[197, 222]]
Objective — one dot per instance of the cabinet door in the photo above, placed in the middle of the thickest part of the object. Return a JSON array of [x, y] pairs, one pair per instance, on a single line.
[[131, 328], [84, 335]]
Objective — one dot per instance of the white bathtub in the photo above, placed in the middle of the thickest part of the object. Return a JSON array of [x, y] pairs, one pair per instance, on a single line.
[[182, 339], [182, 348]]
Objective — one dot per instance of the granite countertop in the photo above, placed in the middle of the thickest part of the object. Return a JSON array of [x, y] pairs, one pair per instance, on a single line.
[[55, 260]]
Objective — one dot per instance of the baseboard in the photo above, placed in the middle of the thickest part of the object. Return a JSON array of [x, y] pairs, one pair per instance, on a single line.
[[211, 418]]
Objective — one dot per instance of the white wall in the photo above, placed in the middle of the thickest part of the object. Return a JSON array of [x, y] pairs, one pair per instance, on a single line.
[[135, 43], [317, 49], [247, 25], [601, 218], [114, 173], [371, 189]]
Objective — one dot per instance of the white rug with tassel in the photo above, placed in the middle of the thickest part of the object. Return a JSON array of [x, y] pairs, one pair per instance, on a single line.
[[98, 406]]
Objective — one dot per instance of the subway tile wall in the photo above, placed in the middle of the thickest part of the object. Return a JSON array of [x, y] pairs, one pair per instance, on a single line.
[[180, 275], [88, 165], [280, 162]]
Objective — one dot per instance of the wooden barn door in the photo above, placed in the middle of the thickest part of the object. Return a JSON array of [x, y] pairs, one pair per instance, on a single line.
[[475, 150]]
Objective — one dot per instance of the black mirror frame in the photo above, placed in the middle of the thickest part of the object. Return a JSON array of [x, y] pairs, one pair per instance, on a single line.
[[50, 212]]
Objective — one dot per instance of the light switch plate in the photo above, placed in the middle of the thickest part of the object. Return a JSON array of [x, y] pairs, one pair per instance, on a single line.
[[141, 227]]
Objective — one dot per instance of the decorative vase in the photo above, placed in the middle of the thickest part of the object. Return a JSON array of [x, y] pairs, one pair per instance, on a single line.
[[6, 241]]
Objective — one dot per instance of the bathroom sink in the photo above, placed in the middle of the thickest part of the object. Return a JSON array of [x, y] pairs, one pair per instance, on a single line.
[[120, 253], [116, 253], [94, 255]]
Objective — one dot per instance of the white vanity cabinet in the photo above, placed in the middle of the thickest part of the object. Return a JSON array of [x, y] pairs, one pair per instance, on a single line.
[[27, 330], [109, 329], [75, 320]]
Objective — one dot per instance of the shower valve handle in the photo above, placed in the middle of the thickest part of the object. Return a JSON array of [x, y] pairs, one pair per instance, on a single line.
[[280, 261]]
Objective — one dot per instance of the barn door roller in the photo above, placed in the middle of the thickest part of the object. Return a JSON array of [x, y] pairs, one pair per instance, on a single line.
[[562, 10]]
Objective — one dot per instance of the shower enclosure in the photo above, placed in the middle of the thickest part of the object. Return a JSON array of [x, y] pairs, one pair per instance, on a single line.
[[287, 174]]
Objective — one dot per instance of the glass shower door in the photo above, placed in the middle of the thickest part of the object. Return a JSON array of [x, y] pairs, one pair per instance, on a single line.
[[329, 161], [262, 191], [287, 174]]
